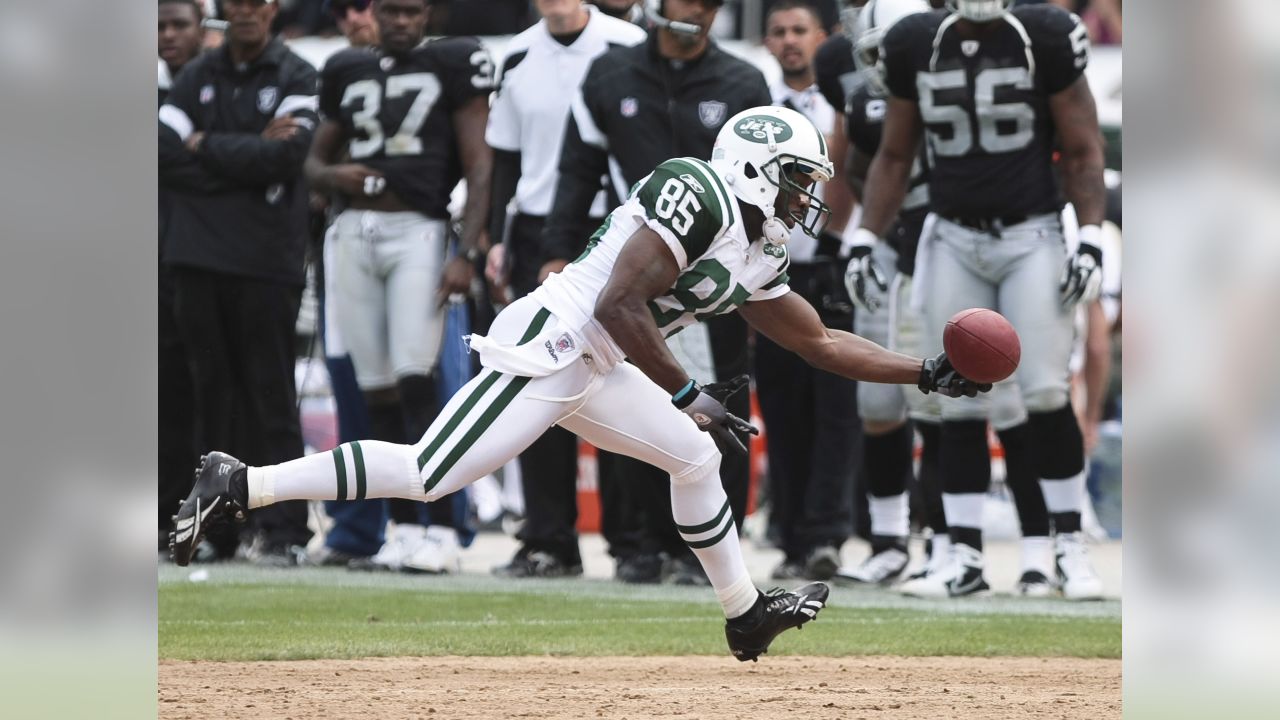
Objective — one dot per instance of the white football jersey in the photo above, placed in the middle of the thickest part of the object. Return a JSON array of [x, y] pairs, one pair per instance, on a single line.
[[721, 265]]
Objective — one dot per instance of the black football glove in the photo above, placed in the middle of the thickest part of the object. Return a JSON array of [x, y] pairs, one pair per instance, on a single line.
[[937, 375], [706, 406]]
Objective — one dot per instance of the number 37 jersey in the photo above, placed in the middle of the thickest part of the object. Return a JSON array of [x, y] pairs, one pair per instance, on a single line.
[[690, 207], [984, 102], [397, 113]]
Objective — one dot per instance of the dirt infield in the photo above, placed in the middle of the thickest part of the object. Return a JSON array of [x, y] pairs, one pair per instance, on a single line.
[[643, 687]]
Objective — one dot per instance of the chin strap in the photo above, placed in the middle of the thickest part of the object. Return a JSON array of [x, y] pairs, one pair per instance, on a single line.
[[775, 231]]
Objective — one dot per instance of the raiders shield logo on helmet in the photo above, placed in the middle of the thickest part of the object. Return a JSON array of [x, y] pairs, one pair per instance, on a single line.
[[267, 97], [711, 112]]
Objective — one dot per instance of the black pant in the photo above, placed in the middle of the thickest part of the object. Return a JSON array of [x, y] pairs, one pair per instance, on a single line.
[[175, 408], [815, 445], [239, 334]]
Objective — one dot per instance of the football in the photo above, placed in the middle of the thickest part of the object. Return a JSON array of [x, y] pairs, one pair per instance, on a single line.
[[982, 345]]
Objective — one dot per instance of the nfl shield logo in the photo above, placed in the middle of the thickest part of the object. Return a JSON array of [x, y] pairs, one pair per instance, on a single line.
[[564, 343], [206, 94], [630, 106], [711, 113], [267, 99]]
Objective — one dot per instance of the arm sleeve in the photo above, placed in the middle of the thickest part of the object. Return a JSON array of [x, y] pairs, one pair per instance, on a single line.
[[330, 101], [775, 288], [506, 174], [899, 63], [178, 167], [584, 160], [1060, 43], [683, 204], [250, 159], [833, 60], [472, 72]]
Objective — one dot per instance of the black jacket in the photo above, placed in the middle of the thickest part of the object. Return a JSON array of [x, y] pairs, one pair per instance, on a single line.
[[239, 204], [636, 110]]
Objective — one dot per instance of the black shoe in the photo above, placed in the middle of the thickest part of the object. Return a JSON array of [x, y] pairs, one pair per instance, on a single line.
[[773, 613], [686, 570], [641, 568], [536, 563], [219, 494], [331, 557]]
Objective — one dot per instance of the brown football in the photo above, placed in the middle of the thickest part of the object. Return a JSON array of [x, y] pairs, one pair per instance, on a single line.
[[982, 345]]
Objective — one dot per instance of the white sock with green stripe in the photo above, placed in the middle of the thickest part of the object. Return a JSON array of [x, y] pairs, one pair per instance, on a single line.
[[352, 471], [701, 511]]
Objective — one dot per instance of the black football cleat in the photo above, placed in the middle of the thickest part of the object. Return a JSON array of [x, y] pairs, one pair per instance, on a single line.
[[219, 494], [777, 611]]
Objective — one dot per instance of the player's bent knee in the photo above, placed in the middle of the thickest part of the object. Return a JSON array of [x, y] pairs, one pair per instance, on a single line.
[[709, 468]]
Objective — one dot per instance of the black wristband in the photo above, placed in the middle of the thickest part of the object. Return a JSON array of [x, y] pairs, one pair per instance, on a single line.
[[685, 397]]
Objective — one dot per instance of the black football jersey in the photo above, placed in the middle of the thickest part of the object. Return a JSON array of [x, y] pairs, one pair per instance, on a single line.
[[985, 105], [834, 71], [397, 113], [864, 123]]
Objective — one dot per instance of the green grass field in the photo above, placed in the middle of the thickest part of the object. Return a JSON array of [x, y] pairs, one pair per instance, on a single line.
[[245, 613]]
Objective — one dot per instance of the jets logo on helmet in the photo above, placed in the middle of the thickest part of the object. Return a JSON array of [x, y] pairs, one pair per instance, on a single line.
[[762, 129], [873, 22], [979, 10], [771, 158]]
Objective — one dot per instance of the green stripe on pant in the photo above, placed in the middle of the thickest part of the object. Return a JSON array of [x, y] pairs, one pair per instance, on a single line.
[[357, 456], [704, 527], [340, 465], [535, 326], [482, 423]]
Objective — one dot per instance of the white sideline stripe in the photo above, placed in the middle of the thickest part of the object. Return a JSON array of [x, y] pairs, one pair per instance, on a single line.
[[827, 621], [294, 103], [173, 116]]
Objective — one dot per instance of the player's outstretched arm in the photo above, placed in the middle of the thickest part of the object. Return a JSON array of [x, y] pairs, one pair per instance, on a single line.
[[644, 270], [792, 323]]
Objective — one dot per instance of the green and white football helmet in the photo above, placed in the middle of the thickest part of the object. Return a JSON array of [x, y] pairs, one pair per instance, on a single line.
[[769, 156]]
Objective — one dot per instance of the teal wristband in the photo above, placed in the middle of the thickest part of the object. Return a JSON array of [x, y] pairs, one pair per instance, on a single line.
[[682, 392]]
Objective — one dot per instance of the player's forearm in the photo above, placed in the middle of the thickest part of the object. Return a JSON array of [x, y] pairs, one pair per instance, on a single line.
[[319, 175], [857, 358], [475, 214], [1083, 185], [631, 326], [884, 191]]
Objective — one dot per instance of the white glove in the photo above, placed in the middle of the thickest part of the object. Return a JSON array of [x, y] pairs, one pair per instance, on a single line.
[[1081, 279], [863, 277]]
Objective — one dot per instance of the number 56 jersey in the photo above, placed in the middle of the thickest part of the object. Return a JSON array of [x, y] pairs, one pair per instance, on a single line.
[[984, 102], [721, 264], [397, 113]]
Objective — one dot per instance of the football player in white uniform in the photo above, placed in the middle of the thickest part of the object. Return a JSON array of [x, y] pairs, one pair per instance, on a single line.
[[693, 239]]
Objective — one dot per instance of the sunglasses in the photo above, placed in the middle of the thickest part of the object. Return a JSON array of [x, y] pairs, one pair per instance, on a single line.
[[338, 8]]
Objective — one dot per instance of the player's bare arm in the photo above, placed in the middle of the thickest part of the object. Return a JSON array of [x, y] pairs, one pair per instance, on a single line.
[[645, 269], [350, 179], [792, 323], [1075, 114], [469, 122], [857, 166], [886, 183]]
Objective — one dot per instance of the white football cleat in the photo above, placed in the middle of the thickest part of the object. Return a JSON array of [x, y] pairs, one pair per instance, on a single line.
[[1035, 584], [1075, 570], [441, 553], [881, 568]]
